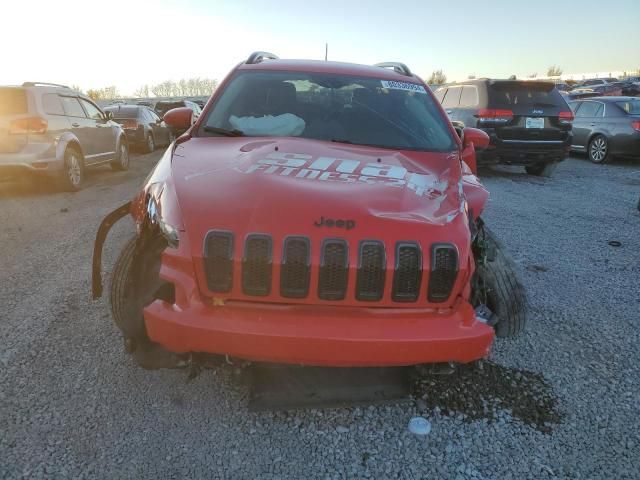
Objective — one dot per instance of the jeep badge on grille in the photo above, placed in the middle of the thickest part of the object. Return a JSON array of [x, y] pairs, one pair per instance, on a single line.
[[330, 222]]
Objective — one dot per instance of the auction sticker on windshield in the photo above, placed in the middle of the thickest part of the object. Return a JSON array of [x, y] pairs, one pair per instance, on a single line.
[[406, 86]]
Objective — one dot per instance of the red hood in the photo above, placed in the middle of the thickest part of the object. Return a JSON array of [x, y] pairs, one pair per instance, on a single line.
[[286, 186], [246, 184]]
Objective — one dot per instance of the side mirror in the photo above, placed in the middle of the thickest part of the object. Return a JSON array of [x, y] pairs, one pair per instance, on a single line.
[[473, 140], [475, 137], [108, 115], [179, 120]]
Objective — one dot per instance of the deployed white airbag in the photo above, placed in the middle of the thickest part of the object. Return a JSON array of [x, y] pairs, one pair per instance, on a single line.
[[285, 125]]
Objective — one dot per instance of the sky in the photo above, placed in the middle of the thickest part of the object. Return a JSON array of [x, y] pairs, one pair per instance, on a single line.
[[94, 44]]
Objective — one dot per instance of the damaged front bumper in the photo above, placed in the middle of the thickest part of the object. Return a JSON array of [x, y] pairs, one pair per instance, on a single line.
[[321, 336], [314, 335]]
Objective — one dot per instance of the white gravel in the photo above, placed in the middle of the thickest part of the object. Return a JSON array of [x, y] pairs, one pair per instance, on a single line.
[[73, 405]]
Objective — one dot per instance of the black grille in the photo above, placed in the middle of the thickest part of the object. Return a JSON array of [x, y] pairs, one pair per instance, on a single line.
[[406, 279], [444, 269], [256, 265], [218, 260], [371, 270], [334, 263], [295, 269]]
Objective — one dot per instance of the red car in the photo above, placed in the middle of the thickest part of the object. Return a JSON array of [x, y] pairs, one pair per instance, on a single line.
[[317, 213]]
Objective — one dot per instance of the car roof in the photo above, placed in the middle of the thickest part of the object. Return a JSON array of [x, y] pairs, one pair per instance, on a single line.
[[498, 81], [47, 89], [609, 99], [123, 108], [322, 66]]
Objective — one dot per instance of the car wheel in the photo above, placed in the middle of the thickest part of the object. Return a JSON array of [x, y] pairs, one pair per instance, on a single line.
[[541, 169], [496, 286], [135, 282], [598, 149], [122, 162], [72, 177], [150, 146]]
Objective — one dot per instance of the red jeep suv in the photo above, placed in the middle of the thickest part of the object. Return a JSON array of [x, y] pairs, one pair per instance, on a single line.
[[317, 213]]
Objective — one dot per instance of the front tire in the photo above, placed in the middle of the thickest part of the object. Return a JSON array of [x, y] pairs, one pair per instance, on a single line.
[[496, 285], [598, 149], [73, 172], [541, 169], [122, 162]]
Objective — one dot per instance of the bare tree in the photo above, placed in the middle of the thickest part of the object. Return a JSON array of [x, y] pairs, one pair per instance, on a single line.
[[110, 92], [185, 87], [143, 91], [437, 78], [554, 71], [533, 75], [106, 93], [94, 94], [164, 89], [471, 77]]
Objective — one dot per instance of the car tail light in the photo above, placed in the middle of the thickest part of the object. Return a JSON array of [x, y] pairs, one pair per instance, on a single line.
[[129, 124], [495, 116], [636, 125], [565, 117], [28, 125]]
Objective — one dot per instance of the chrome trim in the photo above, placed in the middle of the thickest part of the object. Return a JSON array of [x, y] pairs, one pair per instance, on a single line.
[[548, 142], [98, 154]]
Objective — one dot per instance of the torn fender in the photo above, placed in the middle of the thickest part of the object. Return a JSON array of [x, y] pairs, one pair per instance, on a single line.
[[109, 221]]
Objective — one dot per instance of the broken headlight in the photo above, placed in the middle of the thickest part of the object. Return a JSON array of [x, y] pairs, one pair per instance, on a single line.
[[154, 214]]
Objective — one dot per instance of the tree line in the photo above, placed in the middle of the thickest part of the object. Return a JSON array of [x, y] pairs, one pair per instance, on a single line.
[[186, 87], [438, 77]]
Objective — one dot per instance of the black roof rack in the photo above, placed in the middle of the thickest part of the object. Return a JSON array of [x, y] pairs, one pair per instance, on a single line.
[[257, 57], [35, 84], [398, 67]]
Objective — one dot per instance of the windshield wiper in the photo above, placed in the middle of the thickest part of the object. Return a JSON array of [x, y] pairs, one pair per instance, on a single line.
[[341, 140], [224, 131]]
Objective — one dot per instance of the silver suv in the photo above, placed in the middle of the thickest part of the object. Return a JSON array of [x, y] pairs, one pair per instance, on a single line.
[[52, 130]]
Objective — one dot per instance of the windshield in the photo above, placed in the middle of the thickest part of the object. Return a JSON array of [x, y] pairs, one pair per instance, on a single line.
[[363, 111], [632, 107], [123, 112], [509, 94]]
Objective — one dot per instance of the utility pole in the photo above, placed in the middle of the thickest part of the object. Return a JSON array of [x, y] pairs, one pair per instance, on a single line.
[[326, 51]]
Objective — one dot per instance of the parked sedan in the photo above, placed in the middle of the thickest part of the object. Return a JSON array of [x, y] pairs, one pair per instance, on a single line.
[[606, 127], [604, 89], [142, 126], [628, 88]]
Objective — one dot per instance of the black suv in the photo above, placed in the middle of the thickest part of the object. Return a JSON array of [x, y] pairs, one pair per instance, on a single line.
[[528, 122]]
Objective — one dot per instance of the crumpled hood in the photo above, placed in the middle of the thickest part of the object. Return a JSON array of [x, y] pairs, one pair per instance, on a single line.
[[287, 186]]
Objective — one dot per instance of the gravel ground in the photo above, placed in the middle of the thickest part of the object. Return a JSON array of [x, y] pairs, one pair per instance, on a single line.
[[561, 401]]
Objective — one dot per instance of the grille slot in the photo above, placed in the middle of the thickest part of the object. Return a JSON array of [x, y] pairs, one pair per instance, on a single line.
[[371, 271], [408, 273], [256, 265], [334, 263], [296, 268], [218, 260], [444, 270]]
